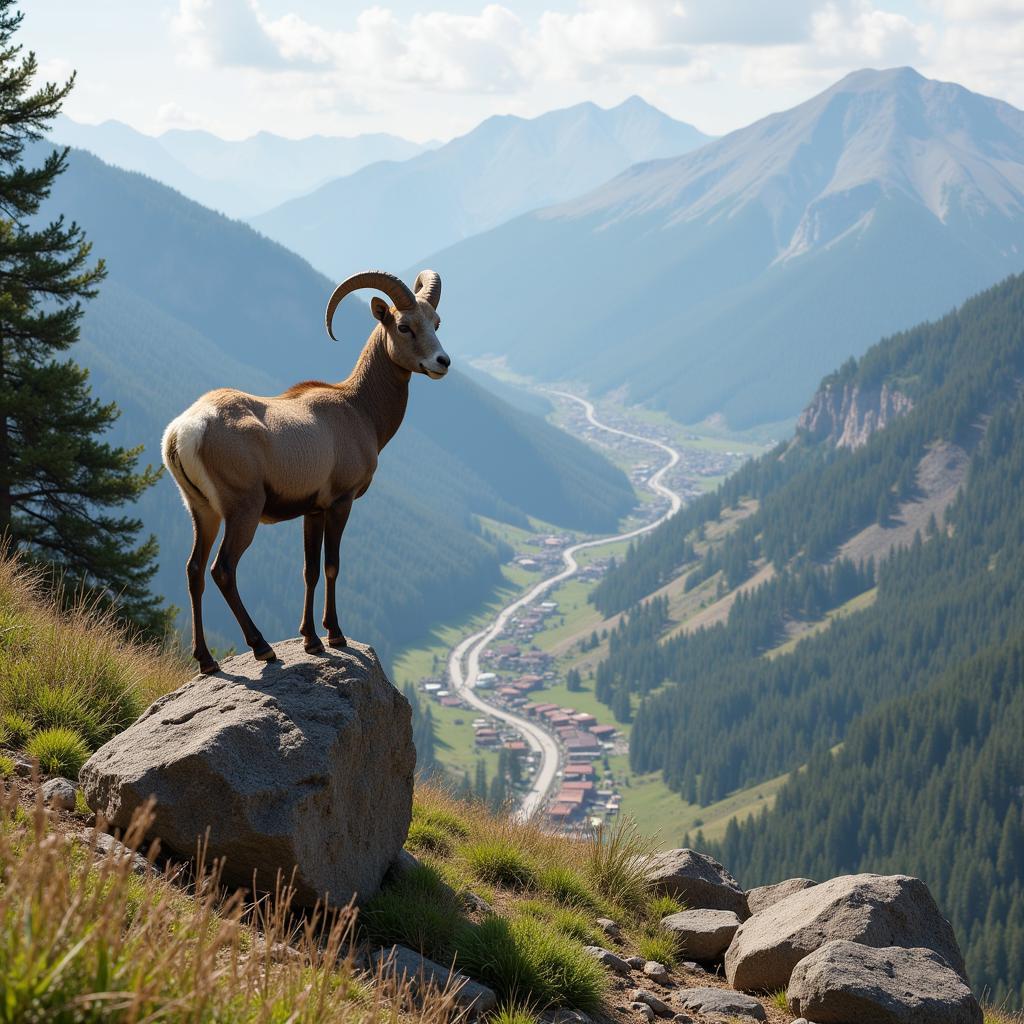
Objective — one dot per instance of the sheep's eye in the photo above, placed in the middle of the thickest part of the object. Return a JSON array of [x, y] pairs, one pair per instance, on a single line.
[[403, 329]]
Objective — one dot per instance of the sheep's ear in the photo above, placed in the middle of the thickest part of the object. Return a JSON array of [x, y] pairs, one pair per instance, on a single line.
[[380, 309]]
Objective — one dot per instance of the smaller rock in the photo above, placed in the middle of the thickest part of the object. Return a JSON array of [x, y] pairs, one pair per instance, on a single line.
[[692, 965], [107, 846], [801, 1020], [22, 767], [609, 927], [655, 971], [765, 896], [277, 952], [60, 794], [704, 934], [607, 958], [403, 862], [636, 962], [721, 1001], [404, 964], [662, 1009], [682, 1018], [644, 1010], [849, 981], [476, 904], [697, 881], [565, 1016]]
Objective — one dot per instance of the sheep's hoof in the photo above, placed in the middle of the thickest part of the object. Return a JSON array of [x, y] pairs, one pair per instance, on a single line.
[[209, 668], [314, 645], [337, 641], [265, 653]]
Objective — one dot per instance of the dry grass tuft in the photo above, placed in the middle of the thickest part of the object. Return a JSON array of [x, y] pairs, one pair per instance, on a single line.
[[84, 939]]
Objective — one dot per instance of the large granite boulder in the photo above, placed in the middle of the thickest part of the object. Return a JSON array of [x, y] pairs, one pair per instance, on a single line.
[[845, 981], [703, 935], [696, 880], [765, 896], [875, 910], [302, 764]]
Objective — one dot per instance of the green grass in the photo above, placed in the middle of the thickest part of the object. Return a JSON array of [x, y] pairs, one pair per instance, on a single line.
[[60, 751], [614, 863], [779, 1000], [659, 946], [15, 728], [662, 906], [6, 766], [509, 1013], [418, 910], [501, 862], [442, 819], [530, 962], [565, 886], [425, 837]]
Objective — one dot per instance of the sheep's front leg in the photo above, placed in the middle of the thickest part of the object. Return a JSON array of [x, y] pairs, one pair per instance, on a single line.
[[336, 518], [313, 541]]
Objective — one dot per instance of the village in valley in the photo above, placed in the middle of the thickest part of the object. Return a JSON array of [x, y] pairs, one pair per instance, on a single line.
[[528, 669]]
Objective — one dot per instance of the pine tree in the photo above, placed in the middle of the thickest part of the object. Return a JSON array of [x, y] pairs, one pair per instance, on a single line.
[[573, 683], [480, 785], [58, 482]]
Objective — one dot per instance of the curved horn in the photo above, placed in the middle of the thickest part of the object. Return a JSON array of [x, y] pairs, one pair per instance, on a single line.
[[429, 283], [394, 288]]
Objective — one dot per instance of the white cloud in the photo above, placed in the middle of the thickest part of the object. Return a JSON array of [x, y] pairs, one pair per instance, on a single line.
[[172, 115]]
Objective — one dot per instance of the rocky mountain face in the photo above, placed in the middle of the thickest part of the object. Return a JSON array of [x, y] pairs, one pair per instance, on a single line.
[[847, 416], [732, 279], [389, 214]]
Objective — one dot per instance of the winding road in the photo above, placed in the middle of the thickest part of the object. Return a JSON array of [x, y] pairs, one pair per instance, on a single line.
[[464, 660]]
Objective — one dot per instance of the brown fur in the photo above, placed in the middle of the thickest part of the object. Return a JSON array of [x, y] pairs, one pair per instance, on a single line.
[[310, 451]]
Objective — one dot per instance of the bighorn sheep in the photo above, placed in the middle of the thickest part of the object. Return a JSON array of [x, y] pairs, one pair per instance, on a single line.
[[309, 452]]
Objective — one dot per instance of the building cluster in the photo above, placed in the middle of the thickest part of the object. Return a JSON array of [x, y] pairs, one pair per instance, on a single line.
[[543, 554]]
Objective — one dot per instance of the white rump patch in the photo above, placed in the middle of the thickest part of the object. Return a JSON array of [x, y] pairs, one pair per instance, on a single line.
[[189, 429]]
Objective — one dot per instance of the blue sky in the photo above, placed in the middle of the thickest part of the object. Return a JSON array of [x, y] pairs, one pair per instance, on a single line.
[[297, 67]]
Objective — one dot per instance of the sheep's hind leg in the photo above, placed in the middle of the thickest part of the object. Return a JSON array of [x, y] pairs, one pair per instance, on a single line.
[[239, 530], [205, 524], [313, 540], [337, 517]]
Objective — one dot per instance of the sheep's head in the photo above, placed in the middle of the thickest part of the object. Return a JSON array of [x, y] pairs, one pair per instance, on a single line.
[[410, 323]]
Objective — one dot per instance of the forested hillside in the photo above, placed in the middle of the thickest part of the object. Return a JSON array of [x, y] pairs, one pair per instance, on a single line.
[[922, 685], [194, 300]]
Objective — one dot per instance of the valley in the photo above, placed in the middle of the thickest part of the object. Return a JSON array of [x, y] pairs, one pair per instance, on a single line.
[[548, 625]]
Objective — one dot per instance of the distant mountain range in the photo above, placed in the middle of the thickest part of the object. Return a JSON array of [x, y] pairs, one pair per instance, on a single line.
[[194, 301], [390, 214], [727, 281], [239, 178]]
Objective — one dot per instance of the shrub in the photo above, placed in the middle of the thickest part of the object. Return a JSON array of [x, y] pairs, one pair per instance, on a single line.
[[444, 820], [779, 1000], [417, 910], [500, 862], [615, 863], [6, 766], [429, 838], [529, 962], [60, 751], [566, 886]]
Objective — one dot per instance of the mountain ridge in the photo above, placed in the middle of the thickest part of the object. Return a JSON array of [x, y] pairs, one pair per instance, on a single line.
[[395, 212], [772, 254]]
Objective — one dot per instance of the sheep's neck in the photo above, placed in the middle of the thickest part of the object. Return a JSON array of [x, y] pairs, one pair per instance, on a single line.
[[379, 388]]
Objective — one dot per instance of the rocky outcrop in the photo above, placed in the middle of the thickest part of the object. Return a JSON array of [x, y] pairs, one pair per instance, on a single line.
[[847, 416], [847, 981], [703, 935], [300, 765], [875, 910], [765, 896], [697, 881]]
